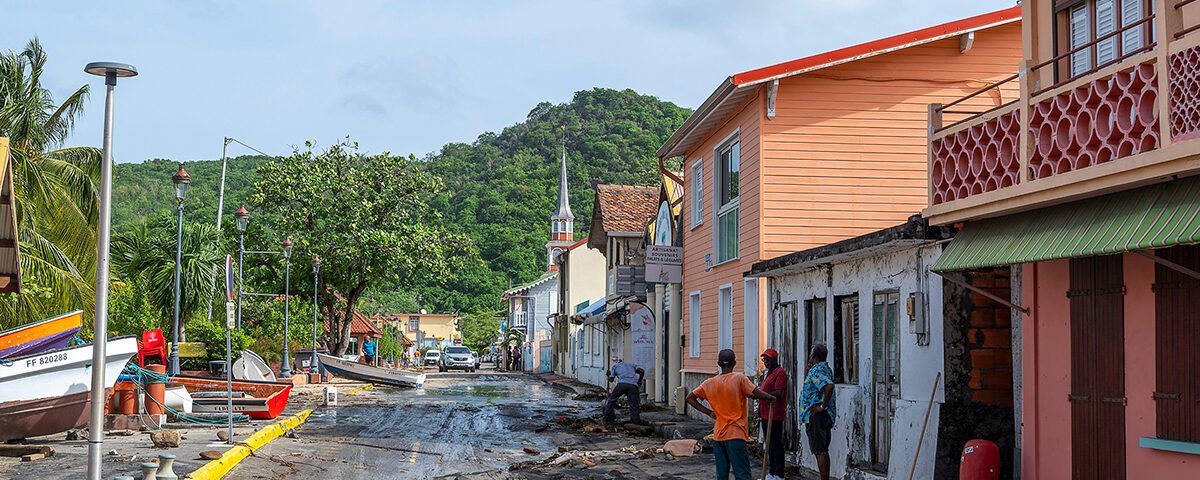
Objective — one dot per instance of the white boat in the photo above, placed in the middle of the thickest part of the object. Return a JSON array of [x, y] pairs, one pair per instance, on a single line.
[[48, 392], [250, 366], [367, 373]]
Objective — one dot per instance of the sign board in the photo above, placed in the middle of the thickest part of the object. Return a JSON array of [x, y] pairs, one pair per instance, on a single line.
[[664, 264], [641, 332], [664, 228], [230, 315]]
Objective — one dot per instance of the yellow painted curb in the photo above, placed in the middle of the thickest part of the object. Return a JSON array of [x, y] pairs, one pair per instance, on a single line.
[[217, 469], [359, 389]]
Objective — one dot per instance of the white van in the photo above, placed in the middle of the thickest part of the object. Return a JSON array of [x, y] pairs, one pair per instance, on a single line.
[[432, 357]]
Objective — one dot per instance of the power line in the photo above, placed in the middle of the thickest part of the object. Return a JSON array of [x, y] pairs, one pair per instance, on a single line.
[[239, 142]]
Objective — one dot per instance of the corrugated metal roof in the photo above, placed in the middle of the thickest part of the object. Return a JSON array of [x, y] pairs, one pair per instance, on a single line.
[[1156, 216], [542, 279], [10, 265]]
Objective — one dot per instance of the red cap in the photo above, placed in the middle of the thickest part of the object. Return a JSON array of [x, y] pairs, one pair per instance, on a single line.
[[770, 352]]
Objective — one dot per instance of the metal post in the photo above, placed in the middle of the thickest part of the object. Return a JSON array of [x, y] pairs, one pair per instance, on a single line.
[[229, 379], [100, 325], [173, 367], [313, 365], [241, 253], [285, 368]]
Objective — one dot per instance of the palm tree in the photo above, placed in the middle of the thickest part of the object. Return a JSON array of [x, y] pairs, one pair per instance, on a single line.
[[144, 255], [55, 191]]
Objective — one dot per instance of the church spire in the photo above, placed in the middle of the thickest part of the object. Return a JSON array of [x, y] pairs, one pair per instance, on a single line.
[[562, 223], [564, 201]]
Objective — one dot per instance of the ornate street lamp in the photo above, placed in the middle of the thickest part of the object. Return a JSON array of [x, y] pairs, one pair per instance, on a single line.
[[243, 220], [313, 365], [285, 368], [182, 182], [110, 71]]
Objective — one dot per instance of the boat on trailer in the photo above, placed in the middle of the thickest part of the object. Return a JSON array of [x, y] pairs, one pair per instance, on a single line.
[[44, 335], [258, 399], [48, 392], [367, 373]]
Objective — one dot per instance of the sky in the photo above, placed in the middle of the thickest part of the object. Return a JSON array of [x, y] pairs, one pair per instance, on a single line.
[[409, 77]]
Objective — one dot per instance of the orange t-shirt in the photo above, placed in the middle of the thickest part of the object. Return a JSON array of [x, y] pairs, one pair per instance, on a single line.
[[726, 394]]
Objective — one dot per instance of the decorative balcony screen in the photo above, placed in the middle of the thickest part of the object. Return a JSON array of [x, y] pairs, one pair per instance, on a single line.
[[978, 159], [1185, 94]]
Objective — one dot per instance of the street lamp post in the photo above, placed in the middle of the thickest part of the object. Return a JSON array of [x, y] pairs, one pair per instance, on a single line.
[[182, 181], [110, 71], [243, 219], [285, 368], [313, 366]]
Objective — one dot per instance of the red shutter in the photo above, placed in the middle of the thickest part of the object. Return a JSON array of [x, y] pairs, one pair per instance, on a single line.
[[1177, 349], [1097, 368]]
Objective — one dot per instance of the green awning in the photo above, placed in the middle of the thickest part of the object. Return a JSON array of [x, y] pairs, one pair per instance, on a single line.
[[1156, 216]]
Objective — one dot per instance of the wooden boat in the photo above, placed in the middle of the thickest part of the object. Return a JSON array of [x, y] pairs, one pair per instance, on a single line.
[[250, 366], [260, 400], [41, 336], [48, 392], [367, 373]]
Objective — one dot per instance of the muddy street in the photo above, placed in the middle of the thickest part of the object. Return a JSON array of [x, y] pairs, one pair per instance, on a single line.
[[470, 426]]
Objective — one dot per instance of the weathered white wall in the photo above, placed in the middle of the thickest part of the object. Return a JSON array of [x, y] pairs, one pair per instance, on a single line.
[[544, 301], [590, 347], [918, 364]]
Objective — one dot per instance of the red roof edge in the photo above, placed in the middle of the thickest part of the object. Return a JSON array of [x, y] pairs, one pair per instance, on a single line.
[[889, 43], [578, 244]]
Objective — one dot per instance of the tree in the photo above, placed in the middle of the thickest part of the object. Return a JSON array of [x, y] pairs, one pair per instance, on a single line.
[[479, 330], [366, 215], [55, 190]]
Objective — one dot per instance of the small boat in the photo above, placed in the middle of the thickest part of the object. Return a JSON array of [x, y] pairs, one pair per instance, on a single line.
[[260, 400], [250, 366], [367, 373], [41, 336], [48, 392]]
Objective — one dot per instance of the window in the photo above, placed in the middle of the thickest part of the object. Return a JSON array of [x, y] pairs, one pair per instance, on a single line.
[[697, 193], [1177, 383], [725, 198], [725, 317], [814, 318], [1088, 20], [414, 323], [846, 335], [694, 325]]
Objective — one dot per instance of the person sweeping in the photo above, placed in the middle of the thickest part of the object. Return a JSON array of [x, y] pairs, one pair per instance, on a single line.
[[772, 414], [727, 393]]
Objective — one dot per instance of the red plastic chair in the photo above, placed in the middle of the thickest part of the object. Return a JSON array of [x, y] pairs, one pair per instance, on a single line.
[[152, 344]]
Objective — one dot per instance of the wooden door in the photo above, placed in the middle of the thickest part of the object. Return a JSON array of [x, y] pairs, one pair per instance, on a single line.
[[1177, 332], [885, 373], [1097, 368], [792, 360]]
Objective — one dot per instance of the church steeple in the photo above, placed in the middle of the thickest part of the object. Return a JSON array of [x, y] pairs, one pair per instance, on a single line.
[[562, 223]]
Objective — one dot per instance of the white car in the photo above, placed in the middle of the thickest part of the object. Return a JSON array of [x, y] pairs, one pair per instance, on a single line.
[[458, 357], [433, 358]]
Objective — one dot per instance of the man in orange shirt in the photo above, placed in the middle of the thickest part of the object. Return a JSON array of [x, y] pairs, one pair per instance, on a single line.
[[727, 393]]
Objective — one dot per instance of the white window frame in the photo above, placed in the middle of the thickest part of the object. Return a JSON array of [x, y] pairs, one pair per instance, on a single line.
[[750, 322], [697, 173], [725, 317], [733, 207], [694, 324]]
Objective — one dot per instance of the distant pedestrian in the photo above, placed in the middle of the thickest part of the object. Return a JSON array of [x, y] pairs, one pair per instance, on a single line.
[[727, 393], [628, 376], [368, 350], [516, 360], [818, 410], [772, 414]]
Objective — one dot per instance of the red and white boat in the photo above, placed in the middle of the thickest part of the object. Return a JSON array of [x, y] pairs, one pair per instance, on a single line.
[[260, 400], [48, 392]]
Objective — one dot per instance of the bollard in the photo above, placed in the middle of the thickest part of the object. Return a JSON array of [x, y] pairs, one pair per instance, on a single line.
[[166, 469], [149, 471], [331, 394]]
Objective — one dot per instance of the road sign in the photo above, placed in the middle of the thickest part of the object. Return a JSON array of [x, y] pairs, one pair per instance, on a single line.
[[230, 312]]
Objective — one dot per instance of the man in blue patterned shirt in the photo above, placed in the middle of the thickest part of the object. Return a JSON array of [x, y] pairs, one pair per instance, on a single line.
[[817, 406]]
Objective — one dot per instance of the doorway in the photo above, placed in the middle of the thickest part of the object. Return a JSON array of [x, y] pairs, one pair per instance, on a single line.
[[885, 367], [791, 363], [1097, 367]]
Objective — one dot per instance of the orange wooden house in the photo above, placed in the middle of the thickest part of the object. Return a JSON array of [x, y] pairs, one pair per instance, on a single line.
[[806, 153]]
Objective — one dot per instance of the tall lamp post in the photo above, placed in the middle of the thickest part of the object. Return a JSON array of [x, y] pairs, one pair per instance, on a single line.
[[313, 365], [243, 219], [110, 71], [285, 368], [182, 181]]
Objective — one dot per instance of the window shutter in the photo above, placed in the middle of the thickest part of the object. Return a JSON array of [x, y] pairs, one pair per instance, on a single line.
[[1080, 34], [1132, 39], [697, 193], [1106, 23]]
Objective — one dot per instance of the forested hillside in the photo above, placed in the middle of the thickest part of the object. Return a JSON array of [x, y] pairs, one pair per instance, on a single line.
[[500, 189]]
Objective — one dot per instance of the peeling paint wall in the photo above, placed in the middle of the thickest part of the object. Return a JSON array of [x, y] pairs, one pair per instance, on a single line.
[[904, 270]]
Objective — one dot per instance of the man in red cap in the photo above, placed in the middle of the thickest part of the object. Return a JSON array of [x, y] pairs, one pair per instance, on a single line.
[[772, 414]]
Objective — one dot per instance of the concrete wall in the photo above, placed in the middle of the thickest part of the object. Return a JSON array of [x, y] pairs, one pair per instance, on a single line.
[[589, 354], [585, 277], [543, 302], [919, 364]]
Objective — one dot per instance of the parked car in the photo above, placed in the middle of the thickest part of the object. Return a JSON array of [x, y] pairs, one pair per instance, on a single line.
[[433, 357], [458, 357], [478, 359]]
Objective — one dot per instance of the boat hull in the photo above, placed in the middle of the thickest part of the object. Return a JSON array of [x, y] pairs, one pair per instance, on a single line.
[[41, 336], [367, 373], [268, 399], [47, 393]]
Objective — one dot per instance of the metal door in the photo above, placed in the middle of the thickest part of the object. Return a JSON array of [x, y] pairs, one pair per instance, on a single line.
[[1097, 368], [885, 373], [790, 359]]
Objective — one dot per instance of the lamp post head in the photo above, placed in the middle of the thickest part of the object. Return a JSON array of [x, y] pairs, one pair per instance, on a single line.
[[182, 182], [316, 264], [243, 218], [110, 71], [287, 248]]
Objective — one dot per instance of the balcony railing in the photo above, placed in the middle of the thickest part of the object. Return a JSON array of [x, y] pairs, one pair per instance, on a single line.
[[520, 320], [1067, 123]]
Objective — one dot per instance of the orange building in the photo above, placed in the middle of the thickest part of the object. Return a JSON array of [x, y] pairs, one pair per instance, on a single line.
[[1084, 190], [809, 152]]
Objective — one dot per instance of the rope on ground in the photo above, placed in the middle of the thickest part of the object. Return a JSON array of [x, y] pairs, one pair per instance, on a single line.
[[143, 377]]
